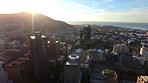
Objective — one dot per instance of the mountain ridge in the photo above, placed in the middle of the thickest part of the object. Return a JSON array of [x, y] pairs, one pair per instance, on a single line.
[[41, 22]]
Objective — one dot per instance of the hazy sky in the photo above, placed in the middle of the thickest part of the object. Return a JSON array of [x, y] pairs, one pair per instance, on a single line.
[[82, 10]]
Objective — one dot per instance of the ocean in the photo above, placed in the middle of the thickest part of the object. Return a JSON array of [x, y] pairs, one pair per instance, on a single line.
[[143, 26]]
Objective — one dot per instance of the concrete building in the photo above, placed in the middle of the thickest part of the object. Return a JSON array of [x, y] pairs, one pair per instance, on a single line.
[[120, 48], [85, 37], [72, 69], [20, 70], [63, 49], [103, 76], [97, 55], [54, 53], [130, 64], [142, 79], [54, 49], [72, 72], [39, 49], [2, 45], [3, 75], [144, 51]]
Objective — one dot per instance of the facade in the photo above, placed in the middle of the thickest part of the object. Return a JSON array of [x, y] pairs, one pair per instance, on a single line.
[[103, 76], [129, 64], [39, 49], [142, 79], [20, 70], [120, 48], [144, 51], [72, 72], [63, 49], [72, 69], [85, 37], [2, 45], [97, 55], [3, 75], [54, 50]]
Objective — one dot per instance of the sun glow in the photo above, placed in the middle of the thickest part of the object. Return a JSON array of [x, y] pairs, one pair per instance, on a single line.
[[33, 6]]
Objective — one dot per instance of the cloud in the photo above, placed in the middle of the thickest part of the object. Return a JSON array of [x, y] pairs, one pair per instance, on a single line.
[[134, 15], [97, 3]]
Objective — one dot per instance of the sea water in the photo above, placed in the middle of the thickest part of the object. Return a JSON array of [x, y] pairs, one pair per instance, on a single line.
[[134, 25]]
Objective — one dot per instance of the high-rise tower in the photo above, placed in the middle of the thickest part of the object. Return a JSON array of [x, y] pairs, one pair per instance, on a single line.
[[39, 53], [85, 37]]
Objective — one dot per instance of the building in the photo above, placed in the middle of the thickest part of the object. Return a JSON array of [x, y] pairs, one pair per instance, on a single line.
[[5, 59], [120, 48], [54, 49], [142, 79], [129, 64], [72, 72], [39, 49], [103, 76], [63, 49], [144, 51], [85, 37], [97, 55], [2, 45], [3, 75], [20, 70]]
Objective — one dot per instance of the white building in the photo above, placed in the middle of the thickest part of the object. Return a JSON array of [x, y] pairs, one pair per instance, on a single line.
[[120, 48], [144, 52]]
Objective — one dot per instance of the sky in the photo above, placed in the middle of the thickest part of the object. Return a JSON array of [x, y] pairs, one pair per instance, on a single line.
[[82, 10]]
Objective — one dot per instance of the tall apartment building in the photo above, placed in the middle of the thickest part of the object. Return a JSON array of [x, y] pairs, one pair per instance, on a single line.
[[72, 69], [39, 49], [54, 49], [85, 37]]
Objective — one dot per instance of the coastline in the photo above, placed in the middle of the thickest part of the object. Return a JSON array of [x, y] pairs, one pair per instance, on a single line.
[[134, 25]]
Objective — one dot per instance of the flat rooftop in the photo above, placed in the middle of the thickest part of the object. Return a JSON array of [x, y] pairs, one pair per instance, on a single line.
[[18, 62], [71, 63]]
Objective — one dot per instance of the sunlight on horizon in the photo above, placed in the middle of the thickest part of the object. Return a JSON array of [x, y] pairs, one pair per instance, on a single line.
[[76, 10]]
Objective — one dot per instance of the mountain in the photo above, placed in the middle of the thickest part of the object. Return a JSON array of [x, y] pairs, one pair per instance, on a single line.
[[24, 20]]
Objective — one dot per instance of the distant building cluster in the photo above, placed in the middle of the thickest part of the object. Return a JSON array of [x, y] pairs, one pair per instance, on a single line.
[[82, 54]]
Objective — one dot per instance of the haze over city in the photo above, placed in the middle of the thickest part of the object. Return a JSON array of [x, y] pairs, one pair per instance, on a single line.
[[82, 10]]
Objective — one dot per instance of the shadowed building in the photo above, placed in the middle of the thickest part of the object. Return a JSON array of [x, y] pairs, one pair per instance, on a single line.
[[40, 57], [130, 64], [85, 37], [54, 49], [72, 69], [20, 70]]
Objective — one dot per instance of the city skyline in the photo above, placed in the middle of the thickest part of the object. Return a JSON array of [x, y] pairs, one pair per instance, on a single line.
[[80, 10]]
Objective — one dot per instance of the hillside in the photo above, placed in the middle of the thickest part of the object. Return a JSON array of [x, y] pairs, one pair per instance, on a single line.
[[24, 20]]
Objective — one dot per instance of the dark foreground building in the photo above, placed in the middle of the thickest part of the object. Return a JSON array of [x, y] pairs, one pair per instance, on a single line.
[[39, 54]]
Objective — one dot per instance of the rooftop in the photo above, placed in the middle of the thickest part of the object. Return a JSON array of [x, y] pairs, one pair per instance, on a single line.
[[71, 63], [18, 62]]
